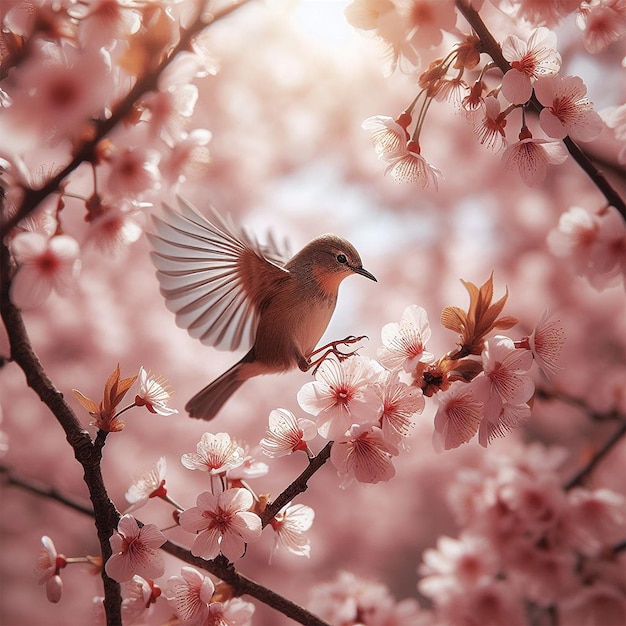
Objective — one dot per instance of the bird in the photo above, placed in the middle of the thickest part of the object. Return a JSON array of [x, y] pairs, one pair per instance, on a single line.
[[232, 292]]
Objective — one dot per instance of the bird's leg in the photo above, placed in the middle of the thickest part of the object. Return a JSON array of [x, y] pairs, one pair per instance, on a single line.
[[316, 358]]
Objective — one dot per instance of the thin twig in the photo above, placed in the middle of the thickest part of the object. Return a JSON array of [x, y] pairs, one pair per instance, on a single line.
[[492, 48], [298, 486]]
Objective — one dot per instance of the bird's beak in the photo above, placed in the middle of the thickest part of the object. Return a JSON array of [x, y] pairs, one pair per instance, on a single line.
[[364, 272]]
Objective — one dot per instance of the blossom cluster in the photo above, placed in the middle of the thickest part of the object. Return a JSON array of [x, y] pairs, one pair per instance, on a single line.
[[68, 70]]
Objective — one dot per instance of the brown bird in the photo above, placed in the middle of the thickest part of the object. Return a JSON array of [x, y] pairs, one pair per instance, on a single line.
[[230, 292]]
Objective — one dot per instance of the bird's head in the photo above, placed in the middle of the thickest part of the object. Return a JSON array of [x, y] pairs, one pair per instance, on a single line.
[[330, 259]]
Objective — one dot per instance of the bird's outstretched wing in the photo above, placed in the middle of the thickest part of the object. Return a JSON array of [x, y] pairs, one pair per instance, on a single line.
[[213, 276]]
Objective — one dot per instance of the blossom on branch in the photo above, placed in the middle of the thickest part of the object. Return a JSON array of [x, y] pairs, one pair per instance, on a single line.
[[546, 343], [603, 23], [153, 393], [43, 265], [567, 109], [149, 484], [139, 595], [47, 568], [215, 454], [190, 595], [135, 551], [286, 434], [409, 166], [223, 523], [388, 136], [290, 525], [529, 60]]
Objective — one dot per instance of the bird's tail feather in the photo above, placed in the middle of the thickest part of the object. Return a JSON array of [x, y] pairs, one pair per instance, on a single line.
[[207, 402]]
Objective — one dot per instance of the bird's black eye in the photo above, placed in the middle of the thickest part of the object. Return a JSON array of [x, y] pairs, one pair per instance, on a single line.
[[342, 258]]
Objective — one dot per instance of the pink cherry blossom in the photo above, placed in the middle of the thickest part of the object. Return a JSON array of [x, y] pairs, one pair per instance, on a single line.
[[615, 117], [597, 603], [44, 265], [47, 567], [532, 157], [148, 484], [223, 523], [405, 343], [103, 21], [135, 551], [388, 137], [343, 394], [410, 166], [499, 417], [250, 468], [134, 172], [546, 343], [603, 23], [286, 434], [400, 403], [138, 597], [362, 454], [529, 60], [233, 612], [567, 111], [541, 12], [188, 159], [290, 526], [490, 131], [215, 454], [461, 409], [190, 595], [153, 393], [426, 19], [116, 228]]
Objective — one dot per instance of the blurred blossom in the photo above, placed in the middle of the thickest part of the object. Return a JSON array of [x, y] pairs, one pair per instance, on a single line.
[[47, 568], [405, 343], [426, 19], [603, 22], [363, 455], [540, 12], [138, 596], [102, 22], [168, 111], [189, 158], [222, 523], [290, 526], [596, 603], [215, 454], [546, 343], [149, 484], [532, 157], [615, 117], [343, 394], [286, 434], [134, 172], [44, 264], [567, 111], [115, 229], [135, 551], [594, 244], [529, 60], [190, 595], [154, 393]]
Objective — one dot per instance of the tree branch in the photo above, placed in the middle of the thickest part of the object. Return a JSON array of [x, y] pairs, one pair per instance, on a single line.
[[492, 48], [298, 486]]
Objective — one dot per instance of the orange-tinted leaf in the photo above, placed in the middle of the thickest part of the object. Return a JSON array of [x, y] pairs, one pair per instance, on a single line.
[[504, 323], [465, 369], [122, 387], [453, 318], [87, 403]]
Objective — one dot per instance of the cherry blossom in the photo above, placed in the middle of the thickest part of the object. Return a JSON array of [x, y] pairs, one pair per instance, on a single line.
[[190, 595], [139, 596], [532, 157], [215, 454], [115, 228], [603, 22], [567, 111], [490, 131], [286, 434], [458, 417], [223, 523], [546, 343], [135, 551], [188, 159], [405, 343], [149, 484], [539, 11], [47, 567], [233, 612], [362, 454], [153, 393], [103, 21], [343, 394], [529, 60], [615, 117], [44, 265], [596, 603], [250, 468], [410, 166], [133, 172], [400, 403], [388, 136], [426, 19], [290, 526]]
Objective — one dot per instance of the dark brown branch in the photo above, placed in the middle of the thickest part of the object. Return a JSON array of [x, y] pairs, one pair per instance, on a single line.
[[608, 445], [86, 152], [492, 48], [298, 486]]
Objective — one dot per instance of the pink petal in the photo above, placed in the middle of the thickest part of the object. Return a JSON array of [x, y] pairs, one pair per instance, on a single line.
[[516, 87], [206, 544], [193, 521], [234, 500], [232, 546]]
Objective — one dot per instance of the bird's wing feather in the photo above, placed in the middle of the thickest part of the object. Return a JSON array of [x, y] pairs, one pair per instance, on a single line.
[[213, 277]]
